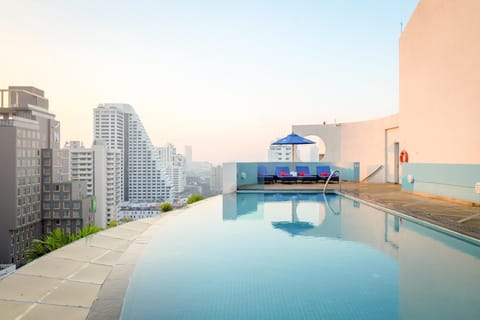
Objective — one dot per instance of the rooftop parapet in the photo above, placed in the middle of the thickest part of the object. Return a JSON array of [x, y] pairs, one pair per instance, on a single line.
[[21, 97]]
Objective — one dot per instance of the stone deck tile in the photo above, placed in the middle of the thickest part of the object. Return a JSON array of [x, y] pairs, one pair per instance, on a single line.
[[13, 309], [52, 267], [102, 240], [92, 273], [83, 253], [73, 294], [49, 312], [19, 287]]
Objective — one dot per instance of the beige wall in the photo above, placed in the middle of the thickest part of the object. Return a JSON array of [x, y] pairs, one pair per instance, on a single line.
[[440, 82], [365, 142]]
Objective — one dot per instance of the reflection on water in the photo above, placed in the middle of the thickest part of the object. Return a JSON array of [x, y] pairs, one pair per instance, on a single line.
[[439, 275]]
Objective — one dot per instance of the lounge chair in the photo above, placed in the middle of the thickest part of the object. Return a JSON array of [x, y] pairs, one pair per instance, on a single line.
[[304, 175], [283, 175], [323, 172], [263, 177]]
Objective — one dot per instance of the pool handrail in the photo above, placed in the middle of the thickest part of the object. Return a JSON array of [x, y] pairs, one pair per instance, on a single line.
[[330, 177]]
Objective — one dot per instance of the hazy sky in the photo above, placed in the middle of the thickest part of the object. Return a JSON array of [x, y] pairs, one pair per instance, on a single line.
[[227, 77]]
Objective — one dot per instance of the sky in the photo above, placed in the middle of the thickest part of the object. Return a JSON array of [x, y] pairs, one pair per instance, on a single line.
[[226, 77]]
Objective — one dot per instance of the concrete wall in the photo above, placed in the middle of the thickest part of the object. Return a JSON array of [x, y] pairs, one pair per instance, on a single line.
[[447, 180], [238, 175], [439, 82], [365, 142]]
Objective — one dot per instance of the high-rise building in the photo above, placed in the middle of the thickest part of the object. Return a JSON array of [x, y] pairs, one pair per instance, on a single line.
[[80, 162], [143, 177], [166, 154], [35, 196], [99, 167], [216, 180], [174, 164]]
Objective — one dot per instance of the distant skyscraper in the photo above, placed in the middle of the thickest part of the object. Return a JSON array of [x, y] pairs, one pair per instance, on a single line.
[[175, 166], [166, 154], [144, 178], [216, 180]]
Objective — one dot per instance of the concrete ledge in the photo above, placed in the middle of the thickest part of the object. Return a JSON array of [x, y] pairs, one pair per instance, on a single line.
[[88, 276]]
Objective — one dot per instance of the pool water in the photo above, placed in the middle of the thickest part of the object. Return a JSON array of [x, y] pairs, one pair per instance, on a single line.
[[301, 256]]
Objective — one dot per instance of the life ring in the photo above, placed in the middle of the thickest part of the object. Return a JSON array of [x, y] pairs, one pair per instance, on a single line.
[[403, 156]]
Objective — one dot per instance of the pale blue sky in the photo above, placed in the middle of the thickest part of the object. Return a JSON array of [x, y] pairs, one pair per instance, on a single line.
[[227, 77]]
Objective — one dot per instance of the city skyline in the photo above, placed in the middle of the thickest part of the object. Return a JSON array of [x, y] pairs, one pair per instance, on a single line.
[[227, 79]]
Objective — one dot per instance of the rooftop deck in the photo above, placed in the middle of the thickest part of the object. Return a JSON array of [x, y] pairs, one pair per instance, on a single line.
[[88, 278]]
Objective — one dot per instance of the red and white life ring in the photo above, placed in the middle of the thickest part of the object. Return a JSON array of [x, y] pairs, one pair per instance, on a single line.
[[403, 156]]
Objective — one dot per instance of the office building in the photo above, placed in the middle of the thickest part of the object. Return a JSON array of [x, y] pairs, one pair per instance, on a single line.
[[35, 196]]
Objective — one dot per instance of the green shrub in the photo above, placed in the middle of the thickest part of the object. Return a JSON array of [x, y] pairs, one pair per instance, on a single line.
[[128, 219], [166, 206], [87, 230], [56, 239], [194, 198], [112, 223]]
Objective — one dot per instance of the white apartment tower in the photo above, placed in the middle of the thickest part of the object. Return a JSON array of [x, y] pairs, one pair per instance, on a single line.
[[143, 177], [100, 168], [175, 166], [80, 162]]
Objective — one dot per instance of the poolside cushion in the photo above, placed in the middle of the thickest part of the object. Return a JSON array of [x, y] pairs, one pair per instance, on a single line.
[[283, 174], [324, 174], [302, 174]]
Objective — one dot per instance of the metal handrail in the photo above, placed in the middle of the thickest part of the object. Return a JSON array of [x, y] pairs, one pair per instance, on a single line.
[[325, 199], [373, 172], [330, 177]]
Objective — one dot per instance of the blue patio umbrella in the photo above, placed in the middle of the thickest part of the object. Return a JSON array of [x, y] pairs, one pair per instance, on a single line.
[[293, 139]]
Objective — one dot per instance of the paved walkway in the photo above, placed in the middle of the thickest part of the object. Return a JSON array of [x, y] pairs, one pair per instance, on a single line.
[[439, 212]]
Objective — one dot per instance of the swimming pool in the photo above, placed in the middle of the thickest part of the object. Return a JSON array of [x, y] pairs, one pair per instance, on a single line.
[[301, 256]]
